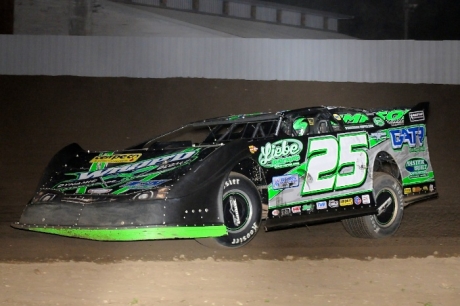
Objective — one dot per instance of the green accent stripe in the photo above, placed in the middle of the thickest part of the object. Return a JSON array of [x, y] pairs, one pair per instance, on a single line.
[[81, 190], [418, 180], [131, 234]]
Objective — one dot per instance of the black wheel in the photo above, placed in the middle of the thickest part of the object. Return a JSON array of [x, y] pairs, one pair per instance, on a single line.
[[242, 210], [389, 197]]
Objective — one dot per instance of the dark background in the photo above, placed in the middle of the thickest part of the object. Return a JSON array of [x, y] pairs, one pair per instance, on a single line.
[[6, 16], [384, 19], [373, 19]]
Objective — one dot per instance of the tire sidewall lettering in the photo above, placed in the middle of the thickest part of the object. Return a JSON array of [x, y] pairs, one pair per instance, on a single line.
[[231, 182], [249, 210], [245, 237]]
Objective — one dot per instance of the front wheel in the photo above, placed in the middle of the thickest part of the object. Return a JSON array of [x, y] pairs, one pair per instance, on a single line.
[[242, 210], [390, 202]]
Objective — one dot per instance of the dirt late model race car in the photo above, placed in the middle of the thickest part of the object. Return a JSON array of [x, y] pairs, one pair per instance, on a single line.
[[218, 179]]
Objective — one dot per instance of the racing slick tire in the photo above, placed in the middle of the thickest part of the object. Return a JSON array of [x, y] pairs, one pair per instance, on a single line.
[[242, 210], [390, 202]]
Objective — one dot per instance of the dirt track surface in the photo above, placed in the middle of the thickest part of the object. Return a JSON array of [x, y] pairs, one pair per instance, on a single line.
[[425, 282], [40, 115]]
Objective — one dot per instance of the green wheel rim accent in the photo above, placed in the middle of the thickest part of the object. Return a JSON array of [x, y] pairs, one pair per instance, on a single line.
[[131, 234]]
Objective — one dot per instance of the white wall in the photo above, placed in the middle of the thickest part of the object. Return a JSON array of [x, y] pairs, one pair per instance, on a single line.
[[232, 58]]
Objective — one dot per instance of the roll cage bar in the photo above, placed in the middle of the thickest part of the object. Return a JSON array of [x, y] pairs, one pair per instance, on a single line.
[[261, 125]]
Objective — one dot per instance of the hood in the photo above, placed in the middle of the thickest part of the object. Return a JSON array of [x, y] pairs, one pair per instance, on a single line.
[[82, 174]]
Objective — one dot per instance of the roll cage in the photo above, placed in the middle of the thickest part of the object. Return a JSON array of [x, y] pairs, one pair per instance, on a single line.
[[248, 126]]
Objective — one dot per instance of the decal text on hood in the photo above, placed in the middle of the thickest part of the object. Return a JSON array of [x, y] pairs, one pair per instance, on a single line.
[[135, 166]]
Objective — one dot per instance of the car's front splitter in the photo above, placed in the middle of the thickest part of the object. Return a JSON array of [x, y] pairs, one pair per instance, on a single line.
[[131, 233]]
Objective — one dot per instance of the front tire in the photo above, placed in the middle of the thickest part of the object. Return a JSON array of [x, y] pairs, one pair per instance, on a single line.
[[389, 198], [242, 210]]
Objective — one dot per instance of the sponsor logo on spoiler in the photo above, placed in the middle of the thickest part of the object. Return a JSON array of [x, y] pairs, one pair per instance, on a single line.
[[412, 136], [417, 116]]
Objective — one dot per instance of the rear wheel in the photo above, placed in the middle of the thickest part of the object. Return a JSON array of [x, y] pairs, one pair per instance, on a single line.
[[242, 210], [389, 197]]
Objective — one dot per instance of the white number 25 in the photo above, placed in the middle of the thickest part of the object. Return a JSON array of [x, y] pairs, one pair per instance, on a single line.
[[336, 163]]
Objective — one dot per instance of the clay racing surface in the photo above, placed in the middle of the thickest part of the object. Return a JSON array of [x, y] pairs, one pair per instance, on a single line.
[[315, 265]]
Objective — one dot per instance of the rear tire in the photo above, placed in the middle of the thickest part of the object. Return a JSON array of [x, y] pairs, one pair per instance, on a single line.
[[385, 223], [242, 210]]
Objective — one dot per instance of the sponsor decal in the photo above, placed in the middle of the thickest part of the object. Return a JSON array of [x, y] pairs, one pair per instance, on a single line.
[[356, 118], [417, 116], [417, 167], [153, 163], [357, 200], [431, 188], [307, 207], [296, 210], [285, 212], [144, 185], [311, 121], [116, 158], [275, 213], [378, 135], [407, 190], [333, 204], [356, 127], [321, 205], [394, 117], [253, 149], [416, 189], [337, 117], [242, 116], [425, 188], [366, 199], [72, 185], [412, 136], [280, 154], [346, 202], [170, 165], [285, 181], [99, 190], [378, 121]]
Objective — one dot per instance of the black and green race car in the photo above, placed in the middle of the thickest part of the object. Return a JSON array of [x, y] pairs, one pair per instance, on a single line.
[[219, 179]]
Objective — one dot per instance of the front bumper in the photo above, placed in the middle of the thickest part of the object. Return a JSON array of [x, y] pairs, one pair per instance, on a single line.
[[127, 220]]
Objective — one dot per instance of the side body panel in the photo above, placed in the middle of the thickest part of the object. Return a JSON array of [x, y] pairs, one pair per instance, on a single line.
[[330, 176]]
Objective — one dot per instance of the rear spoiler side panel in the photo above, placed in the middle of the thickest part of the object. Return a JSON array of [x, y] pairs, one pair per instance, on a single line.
[[417, 114]]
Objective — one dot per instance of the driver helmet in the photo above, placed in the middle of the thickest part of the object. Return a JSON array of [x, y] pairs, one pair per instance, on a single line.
[[300, 126]]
